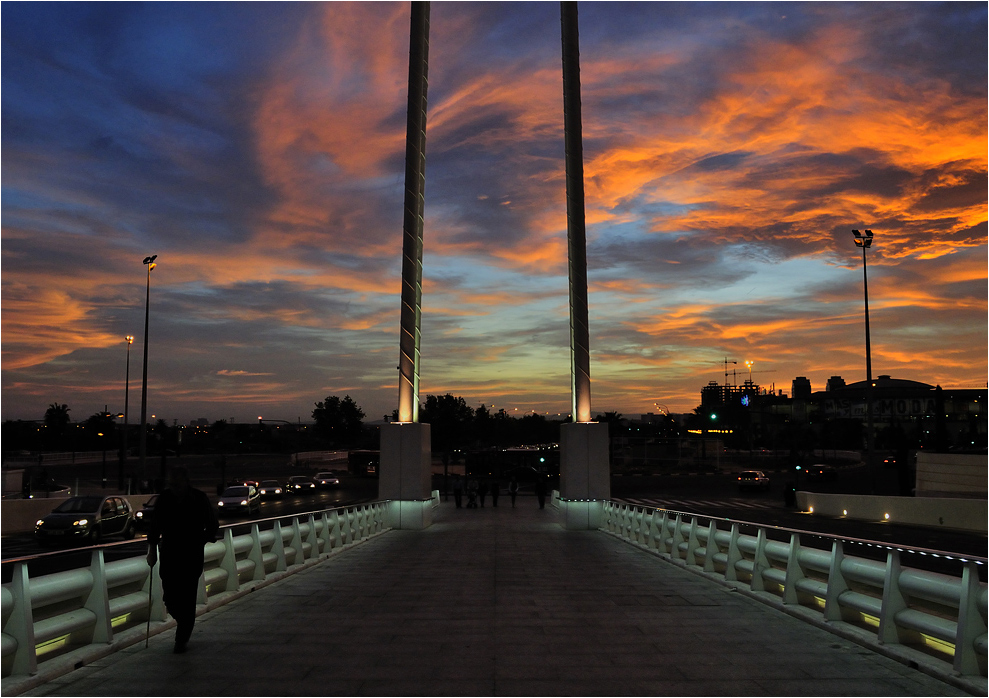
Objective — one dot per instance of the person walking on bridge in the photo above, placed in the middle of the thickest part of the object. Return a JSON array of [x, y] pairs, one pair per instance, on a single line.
[[182, 523], [513, 489]]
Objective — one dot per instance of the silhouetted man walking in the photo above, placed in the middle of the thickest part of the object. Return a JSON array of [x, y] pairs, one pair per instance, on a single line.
[[182, 523], [541, 491]]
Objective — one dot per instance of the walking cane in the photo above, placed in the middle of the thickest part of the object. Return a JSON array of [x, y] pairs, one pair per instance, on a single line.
[[151, 583]]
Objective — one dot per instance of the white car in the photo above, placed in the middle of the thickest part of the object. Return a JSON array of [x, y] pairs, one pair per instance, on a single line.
[[326, 480], [753, 480], [239, 500]]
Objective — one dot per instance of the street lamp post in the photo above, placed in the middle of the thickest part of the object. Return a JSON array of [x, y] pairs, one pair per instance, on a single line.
[[123, 449], [150, 262], [864, 240]]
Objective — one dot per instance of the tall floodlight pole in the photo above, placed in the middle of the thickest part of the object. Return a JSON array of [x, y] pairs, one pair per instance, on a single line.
[[865, 242], [412, 225], [580, 361], [150, 263], [123, 449]]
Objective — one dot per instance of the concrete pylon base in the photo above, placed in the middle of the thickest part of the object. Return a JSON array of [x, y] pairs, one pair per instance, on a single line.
[[412, 515], [406, 474], [585, 473]]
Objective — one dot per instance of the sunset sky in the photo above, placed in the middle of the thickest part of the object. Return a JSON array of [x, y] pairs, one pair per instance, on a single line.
[[258, 149]]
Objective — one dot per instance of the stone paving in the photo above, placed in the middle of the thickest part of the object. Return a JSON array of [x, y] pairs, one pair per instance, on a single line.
[[497, 601]]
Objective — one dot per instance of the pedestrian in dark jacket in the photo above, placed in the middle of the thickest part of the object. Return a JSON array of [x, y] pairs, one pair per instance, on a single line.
[[513, 489], [182, 523], [541, 491], [458, 490], [495, 491], [482, 490]]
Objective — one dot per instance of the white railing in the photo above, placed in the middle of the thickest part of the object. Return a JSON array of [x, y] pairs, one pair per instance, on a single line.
[[62, 615], [927, 614]]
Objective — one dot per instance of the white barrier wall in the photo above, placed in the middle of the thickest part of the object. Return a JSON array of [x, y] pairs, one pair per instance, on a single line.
[[949, 474], [963, 514]]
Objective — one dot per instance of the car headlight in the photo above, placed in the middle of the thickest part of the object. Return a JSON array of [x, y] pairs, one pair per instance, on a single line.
[[278, 491], [80, 522], [139, 515], [219, 504], [39, 523], [243, 502]]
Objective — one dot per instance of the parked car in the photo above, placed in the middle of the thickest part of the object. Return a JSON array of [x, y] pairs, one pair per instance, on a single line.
[[241, 499], [89, 518], [753, 480], [822, 472], [270, 489], [143, 517], [327, 480], [300, 484]]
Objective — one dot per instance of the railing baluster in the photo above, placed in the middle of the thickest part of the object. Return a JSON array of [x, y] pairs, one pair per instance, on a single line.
[[98, 599], [837, 584], [278, 548], [794, 572], [710, 547], [971, 624], [691, 557], [228, 563], [759, 562], [256, 555], [893, 601], [20, 625]]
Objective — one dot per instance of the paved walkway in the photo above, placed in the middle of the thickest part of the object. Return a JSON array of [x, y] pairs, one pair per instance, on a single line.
[[498, 602]]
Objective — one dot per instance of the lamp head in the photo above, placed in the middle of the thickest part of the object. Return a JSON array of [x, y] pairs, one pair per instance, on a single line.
[[151, 260], [863, 240], [130, 339]]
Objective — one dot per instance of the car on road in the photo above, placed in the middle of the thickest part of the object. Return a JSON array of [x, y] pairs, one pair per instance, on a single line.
[[300, 484], [88, 518], [753, 480], [326, 480], [241, 499], [142, 518], [271, 489], [820, 471]]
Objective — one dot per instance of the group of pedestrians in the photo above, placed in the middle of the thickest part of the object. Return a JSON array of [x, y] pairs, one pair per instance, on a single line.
[[477, 490]]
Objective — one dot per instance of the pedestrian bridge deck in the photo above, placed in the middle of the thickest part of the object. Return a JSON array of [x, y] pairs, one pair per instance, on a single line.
[[497, 601]]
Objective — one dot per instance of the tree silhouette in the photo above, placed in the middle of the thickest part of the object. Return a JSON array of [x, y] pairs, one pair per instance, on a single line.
[[340, 421], [57, 418], [450, 419], [56, 423]]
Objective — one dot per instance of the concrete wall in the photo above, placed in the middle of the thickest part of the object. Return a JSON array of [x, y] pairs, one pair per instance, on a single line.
[[930, 512], [948, 474]]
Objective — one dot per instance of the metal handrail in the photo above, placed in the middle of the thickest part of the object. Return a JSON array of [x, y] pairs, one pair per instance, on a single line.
[[960, 557], [927, 616], [67, 612]]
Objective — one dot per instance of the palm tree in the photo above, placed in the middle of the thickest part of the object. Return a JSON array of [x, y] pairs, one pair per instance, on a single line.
[[56, 421]]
